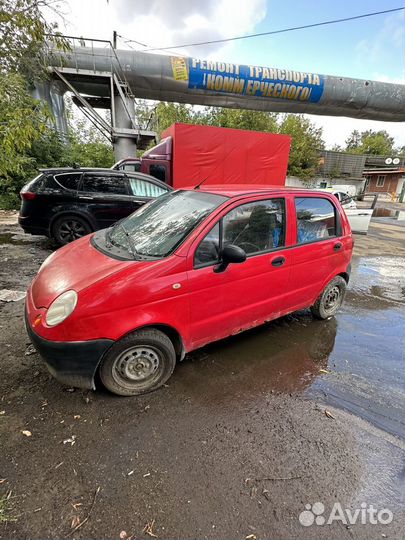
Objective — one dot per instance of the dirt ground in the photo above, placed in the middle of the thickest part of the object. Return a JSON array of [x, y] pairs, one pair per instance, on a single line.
[[247, 432]]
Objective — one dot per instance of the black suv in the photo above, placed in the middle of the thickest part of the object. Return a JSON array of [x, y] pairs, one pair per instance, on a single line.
[[66, 204]]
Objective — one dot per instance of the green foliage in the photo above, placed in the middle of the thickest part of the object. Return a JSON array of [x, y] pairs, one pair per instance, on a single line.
[[243, 119], [305, 145], [376, 143]]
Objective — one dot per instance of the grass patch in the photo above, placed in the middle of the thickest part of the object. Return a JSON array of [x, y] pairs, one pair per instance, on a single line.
[[5, 515]]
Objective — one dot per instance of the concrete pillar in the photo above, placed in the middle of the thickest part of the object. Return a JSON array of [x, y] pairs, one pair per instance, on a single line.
[[124, 143]]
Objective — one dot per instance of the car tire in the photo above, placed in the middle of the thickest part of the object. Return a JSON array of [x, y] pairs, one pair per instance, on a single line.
[[331, 298], [139, 363], [69, 227]]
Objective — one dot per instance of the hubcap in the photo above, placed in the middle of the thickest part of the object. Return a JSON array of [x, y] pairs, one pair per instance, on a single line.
[[332, 298], [136, 364], [71, 230]]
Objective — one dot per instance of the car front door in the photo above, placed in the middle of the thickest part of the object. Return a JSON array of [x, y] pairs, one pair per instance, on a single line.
[[106, 197], [244, 294]]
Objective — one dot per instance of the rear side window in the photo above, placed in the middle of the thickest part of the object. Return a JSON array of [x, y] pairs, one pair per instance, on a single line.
[[97, 183], [316, 219], [68, 180], [143, 188]]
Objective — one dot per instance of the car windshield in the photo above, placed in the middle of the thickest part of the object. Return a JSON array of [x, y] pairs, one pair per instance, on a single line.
[[160, 226]]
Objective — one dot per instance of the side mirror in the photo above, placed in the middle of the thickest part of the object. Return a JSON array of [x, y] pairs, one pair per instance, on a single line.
[[230, 254]]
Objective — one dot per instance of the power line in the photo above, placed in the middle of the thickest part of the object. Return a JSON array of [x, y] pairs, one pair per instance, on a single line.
[[273, 32]]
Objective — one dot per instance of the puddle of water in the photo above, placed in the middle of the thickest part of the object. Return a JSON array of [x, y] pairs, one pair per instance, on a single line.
[[380, 211], [362, 348]]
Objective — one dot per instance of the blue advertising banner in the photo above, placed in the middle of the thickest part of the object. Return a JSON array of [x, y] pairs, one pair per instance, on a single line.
[[254, 80]]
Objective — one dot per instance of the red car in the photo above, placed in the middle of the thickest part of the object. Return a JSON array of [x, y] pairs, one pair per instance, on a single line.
[[188, 268]]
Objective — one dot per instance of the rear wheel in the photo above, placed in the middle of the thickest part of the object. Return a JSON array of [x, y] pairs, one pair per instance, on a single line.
[[68, 228], [331, 298], [138, 363]]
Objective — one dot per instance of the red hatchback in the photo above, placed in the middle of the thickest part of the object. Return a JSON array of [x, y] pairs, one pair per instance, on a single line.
[[188, 268]]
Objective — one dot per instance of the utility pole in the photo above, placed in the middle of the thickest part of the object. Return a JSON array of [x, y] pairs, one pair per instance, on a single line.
[[114, 42]]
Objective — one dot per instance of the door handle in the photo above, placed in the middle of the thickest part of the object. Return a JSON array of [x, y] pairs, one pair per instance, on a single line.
[[278, 261], [337, 247]]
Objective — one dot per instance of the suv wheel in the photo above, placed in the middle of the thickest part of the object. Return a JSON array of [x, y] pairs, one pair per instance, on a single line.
[[138, 363], [330, 300], [68, 228]]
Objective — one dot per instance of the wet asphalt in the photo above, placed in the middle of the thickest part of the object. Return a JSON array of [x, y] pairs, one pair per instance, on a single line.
[[248, 430]]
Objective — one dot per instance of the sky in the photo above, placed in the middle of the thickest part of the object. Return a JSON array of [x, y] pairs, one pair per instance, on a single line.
[[371, 48]]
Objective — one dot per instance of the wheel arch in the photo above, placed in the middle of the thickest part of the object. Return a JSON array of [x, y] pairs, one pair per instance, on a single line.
[[173, 334], [71, 212]]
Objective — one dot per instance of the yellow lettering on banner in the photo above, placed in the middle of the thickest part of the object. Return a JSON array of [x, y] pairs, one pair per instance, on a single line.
[[277, 89], [210, 81], [263, 88], [270, 89], [293, 91], [219, 82], [179, 68], [228, 84], [238, 86], [249, 88], [316, 80], [305, 94], [284, 90], [256, 86]]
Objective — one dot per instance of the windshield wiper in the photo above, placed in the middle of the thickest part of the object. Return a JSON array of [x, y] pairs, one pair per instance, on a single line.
[[132, 249]]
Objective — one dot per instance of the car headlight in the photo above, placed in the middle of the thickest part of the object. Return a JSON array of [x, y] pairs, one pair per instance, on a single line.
[[61, 308]]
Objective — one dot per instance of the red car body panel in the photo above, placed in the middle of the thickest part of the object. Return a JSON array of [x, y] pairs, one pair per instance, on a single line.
[[116, 297]]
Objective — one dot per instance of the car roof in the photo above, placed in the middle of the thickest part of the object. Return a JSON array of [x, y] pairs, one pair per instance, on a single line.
[[237, 190], [134, 174]]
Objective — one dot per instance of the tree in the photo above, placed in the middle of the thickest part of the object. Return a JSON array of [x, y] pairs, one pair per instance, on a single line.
[[305, 145], [243, 119], [370, 142]]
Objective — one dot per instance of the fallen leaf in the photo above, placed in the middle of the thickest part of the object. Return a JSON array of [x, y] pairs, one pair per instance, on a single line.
[[2, 412], [324, 371], [26, 433], [2, 480], [147, 474], [76, 505], [250, 537], [75, 522], [76, 416], [130, 472], [329, 414], [123, 535]]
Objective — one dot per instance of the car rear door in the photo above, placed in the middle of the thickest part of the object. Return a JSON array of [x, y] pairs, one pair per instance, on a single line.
[[106, 197], [245, 294], [320, 250]]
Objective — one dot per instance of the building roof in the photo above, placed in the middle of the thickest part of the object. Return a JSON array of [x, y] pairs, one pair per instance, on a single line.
[[387, 170]]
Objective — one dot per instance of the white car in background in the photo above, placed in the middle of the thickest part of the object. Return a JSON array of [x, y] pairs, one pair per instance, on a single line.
[[345, 200]]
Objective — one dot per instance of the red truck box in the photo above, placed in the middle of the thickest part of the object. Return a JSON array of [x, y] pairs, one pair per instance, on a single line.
[[226, 156]]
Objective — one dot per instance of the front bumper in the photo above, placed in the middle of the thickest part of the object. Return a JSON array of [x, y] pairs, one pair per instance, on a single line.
[[73, 363]]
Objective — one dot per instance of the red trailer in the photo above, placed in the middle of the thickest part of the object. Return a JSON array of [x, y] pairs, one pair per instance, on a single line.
[[189, 154]]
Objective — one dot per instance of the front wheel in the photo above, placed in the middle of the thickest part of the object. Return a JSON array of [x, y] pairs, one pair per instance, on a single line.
[[331, 298], [138, 363]]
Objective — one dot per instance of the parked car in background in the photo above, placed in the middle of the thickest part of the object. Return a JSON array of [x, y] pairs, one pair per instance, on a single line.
[[66, 204], [192, 267], [345, 200]]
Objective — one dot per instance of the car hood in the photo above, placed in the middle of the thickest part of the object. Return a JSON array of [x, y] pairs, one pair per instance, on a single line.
[[75, 266]]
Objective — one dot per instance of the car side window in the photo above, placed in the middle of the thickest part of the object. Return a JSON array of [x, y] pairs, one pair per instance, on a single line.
[[256, 227], [143, 188], [316, 219], [99, 183], [68, 180], [207, 252], [158, 171], [345, 199]]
